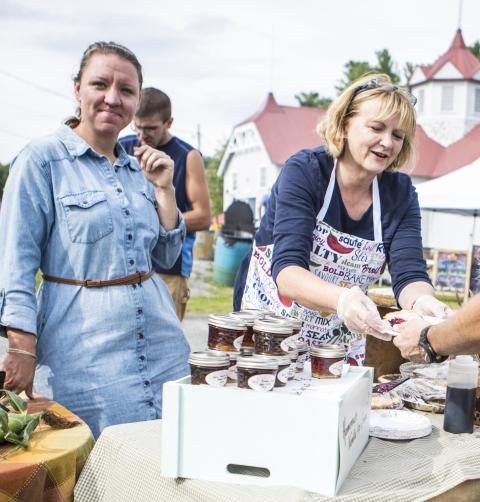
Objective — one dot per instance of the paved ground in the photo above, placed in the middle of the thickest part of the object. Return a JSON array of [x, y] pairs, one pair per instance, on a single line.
[[196, 330]]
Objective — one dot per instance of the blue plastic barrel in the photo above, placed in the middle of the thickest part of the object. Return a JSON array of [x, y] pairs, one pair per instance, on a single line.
[[228, 256]]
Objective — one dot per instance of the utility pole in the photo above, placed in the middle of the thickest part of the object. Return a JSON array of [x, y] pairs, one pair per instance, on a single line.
[[199, 138]]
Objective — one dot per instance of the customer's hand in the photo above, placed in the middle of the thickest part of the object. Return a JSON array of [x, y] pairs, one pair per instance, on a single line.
[[360, 314], [157, 166], [428, 305], [408, 338]]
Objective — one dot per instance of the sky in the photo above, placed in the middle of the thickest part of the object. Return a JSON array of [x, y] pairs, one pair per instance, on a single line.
[[216, 59]]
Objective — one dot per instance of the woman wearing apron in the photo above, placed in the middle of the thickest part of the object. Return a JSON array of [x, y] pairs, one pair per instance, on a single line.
[[337, 215]]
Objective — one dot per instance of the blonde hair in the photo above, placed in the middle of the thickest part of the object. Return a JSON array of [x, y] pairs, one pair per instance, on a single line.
[[394, 100]]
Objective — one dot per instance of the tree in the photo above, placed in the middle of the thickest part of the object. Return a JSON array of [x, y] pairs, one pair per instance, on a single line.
[[385, 64], [475, 49], [3, 179], [352, 71], [312, 100], [408, 71], [215, 182]]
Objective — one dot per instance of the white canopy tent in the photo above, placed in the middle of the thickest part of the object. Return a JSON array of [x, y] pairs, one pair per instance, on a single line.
[[457, 195]]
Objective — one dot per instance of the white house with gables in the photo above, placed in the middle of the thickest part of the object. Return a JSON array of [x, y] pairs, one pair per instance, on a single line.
[[447, 139]]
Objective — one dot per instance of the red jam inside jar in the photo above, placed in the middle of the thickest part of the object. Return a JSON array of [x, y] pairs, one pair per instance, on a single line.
[[225, 333], [272, 337], [256, 373], [248, 317], [327, 361], [208, 368]]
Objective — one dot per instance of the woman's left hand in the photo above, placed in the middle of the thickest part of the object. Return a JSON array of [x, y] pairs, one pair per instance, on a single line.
[[428, 305], [157, 166]]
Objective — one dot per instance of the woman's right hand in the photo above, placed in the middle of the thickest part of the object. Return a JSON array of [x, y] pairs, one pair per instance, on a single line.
[[20, 368], [19, 372], [360, 314]]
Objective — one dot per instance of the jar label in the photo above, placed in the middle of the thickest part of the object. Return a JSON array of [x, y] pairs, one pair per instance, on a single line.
[[262, 382], [217, 378], [237, 343], [336, 368], [283, 374], [291, 371], [301, 360], [289, 343], [232, 372]]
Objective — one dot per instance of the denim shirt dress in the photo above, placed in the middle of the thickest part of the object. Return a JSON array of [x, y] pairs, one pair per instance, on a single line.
[[104, 353]]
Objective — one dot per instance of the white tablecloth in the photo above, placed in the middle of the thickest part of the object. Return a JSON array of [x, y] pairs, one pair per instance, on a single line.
[[125, 467]]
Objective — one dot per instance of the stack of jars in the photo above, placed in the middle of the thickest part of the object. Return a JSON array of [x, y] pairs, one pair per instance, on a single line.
[[255, 349]]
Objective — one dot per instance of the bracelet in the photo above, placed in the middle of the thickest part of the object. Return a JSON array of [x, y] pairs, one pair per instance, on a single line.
[[20, 351]]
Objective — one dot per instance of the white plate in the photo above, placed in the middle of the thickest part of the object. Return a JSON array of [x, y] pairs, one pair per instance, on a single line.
[[398, 424]]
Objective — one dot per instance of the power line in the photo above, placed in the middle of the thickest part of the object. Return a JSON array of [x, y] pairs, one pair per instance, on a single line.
[[4, 131], [35, 85]]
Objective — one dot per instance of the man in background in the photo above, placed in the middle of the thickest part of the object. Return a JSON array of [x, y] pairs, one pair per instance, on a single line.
[[152, 123]]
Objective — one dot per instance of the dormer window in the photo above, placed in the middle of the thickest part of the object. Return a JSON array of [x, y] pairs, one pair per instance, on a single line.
[[477, 100], [447, 98]]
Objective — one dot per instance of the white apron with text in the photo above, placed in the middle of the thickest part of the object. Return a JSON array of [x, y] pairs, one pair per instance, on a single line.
[[336, 257]]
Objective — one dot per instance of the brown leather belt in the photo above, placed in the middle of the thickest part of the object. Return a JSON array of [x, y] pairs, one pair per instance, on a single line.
[[136, 278]]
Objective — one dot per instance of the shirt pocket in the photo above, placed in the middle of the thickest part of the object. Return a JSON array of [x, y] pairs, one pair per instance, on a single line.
[[147, 209], [87, 215]]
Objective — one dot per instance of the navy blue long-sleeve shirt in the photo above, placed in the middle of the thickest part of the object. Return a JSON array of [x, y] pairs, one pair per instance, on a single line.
[[297, 197]]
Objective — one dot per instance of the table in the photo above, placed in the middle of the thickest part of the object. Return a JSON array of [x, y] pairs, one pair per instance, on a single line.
[[125, 467], [49, 468]]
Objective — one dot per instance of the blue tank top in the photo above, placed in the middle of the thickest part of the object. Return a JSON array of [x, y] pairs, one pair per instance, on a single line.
[[178, 151]]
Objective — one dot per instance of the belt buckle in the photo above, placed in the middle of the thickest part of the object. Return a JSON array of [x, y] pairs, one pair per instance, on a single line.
[[92, 283]]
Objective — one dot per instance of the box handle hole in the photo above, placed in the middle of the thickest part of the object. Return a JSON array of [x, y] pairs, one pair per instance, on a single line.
[[248, 470]]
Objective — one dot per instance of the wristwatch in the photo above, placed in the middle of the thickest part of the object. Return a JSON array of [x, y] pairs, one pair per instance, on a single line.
[[426, 350]]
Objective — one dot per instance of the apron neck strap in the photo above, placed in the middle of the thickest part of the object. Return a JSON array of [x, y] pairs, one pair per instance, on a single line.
[[377, 211]]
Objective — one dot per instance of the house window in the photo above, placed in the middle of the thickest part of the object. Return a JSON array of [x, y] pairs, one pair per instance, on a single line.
[[263, 177], [477, 100], [234, 181], [447, 98], [421, 99]]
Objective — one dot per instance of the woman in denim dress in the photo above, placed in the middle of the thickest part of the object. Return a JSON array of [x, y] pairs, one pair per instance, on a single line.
[[102, 337]]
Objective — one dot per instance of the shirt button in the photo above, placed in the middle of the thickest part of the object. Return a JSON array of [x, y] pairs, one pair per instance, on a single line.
[[142, 358], [140, 336], [150, 403], [146, 383], [129, 237], [140, 311], [127, 212], [119, 190], [134, 286], [131, 262]]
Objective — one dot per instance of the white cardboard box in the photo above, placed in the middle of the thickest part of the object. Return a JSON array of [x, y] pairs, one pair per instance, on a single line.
[[310, 441]]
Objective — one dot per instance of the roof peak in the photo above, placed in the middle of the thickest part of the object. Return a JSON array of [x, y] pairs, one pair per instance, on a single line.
[[458, 42]]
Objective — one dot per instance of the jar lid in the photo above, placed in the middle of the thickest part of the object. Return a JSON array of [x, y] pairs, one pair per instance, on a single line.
[[247, 351], [209, 358], [254, 362], [246, 316], [273, 326], [296, 323], [328, 351], [232, 355], [225, 321], [282, 360]]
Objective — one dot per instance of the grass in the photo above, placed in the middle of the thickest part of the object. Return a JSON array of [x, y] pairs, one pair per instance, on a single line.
[[220, 301]]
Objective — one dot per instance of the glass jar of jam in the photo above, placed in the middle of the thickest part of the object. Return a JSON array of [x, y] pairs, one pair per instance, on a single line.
[[232, 368], [272, 337], [303, 352], [209, 368], [248, 317], [256, 373], [284, 365], [225, 333], [327, 361]]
